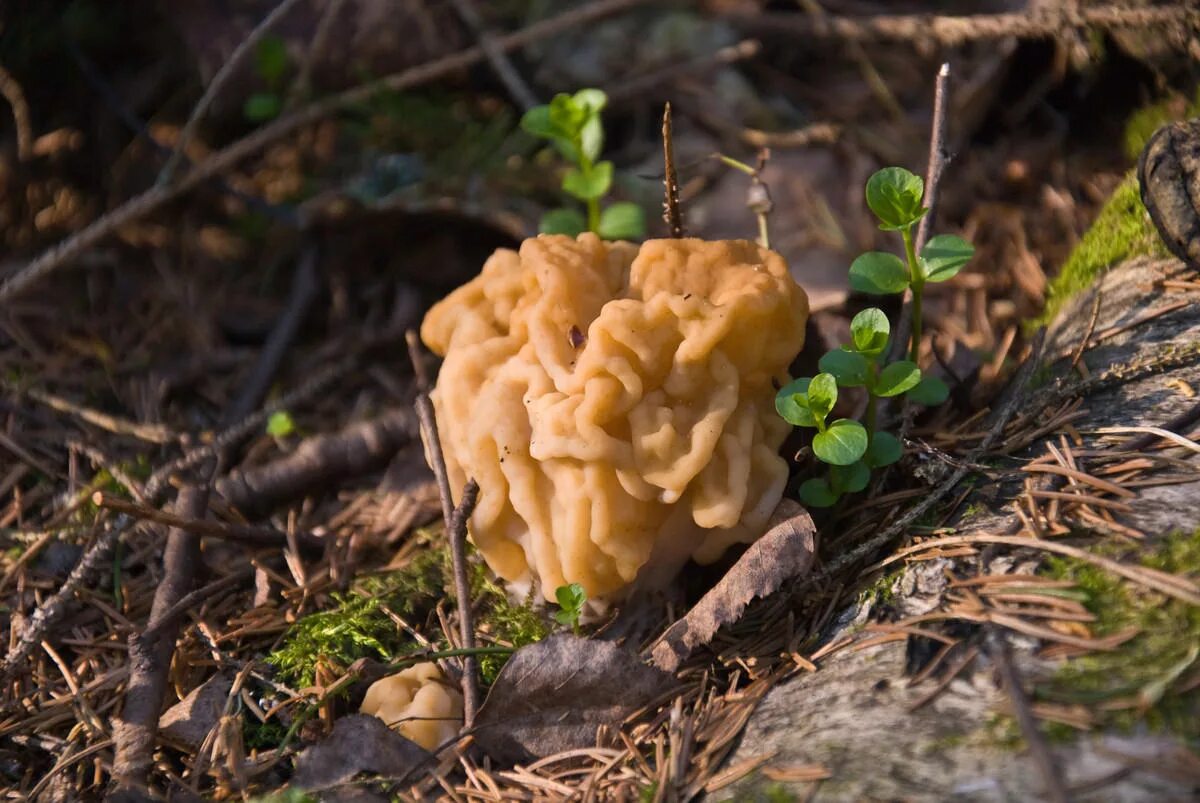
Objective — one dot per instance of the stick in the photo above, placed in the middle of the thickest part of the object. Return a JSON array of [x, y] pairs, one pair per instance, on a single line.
[[356, 449], [150, 652], [998, 650], [218, 83], [241, 533], [671, 213], [305, 288], [953, 31], [155, 197], [455, 519], [316, 48], [496, 57]]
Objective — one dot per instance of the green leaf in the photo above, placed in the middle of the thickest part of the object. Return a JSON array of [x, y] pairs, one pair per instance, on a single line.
[[848, 367], [591, 186], [567, 116], [894, 195], [280, 424], [943, 257], [870, 330], [879, 272], [562, 221], [849, 479], [817, 493], [536, 121], [262, 106], [791, 402], [844, 442], [271, 60], [897, 378], [822, 395], [570, 599], [884, 450], [623, 221], [593, 100], [930, 392], [591, 138]]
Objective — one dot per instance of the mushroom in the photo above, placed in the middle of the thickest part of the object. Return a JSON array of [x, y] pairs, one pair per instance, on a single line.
[[615, 403], [418, 699]]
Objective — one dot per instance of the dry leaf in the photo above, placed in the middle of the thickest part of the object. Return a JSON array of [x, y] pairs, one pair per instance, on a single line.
[[786, 551], [358, 743], [553, 695], [190, 720]]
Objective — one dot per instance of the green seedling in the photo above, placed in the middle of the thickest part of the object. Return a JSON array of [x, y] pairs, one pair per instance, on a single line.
[[271, 62], [571, 599], [280, 424], [851, 449], [895, 196], [572, 124]]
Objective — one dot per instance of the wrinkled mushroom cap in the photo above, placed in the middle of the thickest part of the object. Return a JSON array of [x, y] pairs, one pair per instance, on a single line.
[[615, 404], [428, 710]]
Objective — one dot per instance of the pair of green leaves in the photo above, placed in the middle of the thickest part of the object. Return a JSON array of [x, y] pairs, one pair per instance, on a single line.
[[271, 62], [807, 403], [856, 365], [883, 449], [895, 196], [572, 124], [570, 599]]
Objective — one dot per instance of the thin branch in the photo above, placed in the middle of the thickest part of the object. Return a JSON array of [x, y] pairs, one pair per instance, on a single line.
[[998, 651], [218, 82], [136, 729], [496, 57], [954, 31], [225, 159], [1180, 422], [455, 519], [671, 212], [304, 291], [240, 533], [302, 85]]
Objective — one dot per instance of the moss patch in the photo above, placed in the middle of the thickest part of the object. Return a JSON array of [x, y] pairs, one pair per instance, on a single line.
[[358, 626], [1122, 229], [1144, 122], [1147, 679]]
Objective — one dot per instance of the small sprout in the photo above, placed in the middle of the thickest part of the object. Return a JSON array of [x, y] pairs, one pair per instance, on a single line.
[[570, 599], [929, 392], [271, 63], [879, 273], [894, 195], [572, 124], [280, 424], [897, 378]]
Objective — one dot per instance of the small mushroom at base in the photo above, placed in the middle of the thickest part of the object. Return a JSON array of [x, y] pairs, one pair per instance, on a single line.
[[426, 708]]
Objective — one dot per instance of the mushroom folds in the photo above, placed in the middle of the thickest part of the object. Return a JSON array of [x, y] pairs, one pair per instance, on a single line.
[[615, 404], [427, 710]]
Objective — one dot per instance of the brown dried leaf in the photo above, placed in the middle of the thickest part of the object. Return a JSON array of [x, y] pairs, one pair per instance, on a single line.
[[553, 695], [786, 551], [190, 720], [358, 743]]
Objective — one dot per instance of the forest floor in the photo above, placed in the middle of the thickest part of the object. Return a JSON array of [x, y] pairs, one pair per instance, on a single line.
[[216, 315]]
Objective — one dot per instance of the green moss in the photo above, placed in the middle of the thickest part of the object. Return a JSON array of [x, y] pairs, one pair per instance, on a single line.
[[1140, 682], [1122, 229], [360, 627], [1145, 121]]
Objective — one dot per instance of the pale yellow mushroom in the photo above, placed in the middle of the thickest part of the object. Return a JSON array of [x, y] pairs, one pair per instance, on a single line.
[[419, 701], [615, 404]]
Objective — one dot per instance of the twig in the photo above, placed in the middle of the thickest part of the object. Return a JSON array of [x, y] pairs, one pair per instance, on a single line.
[[938, 493], [155, 197], [302, 85], [218, 82], [998, 651], [358, 448], [1091, 330], [455, 519], [150, 652], [12, 92], [303, 293], [496, 57], [191, 600], [671, 213], [456, 532], [953, 31], [52, 610], [1181, 421], [241, 533], [933, 177], [151, 433]]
